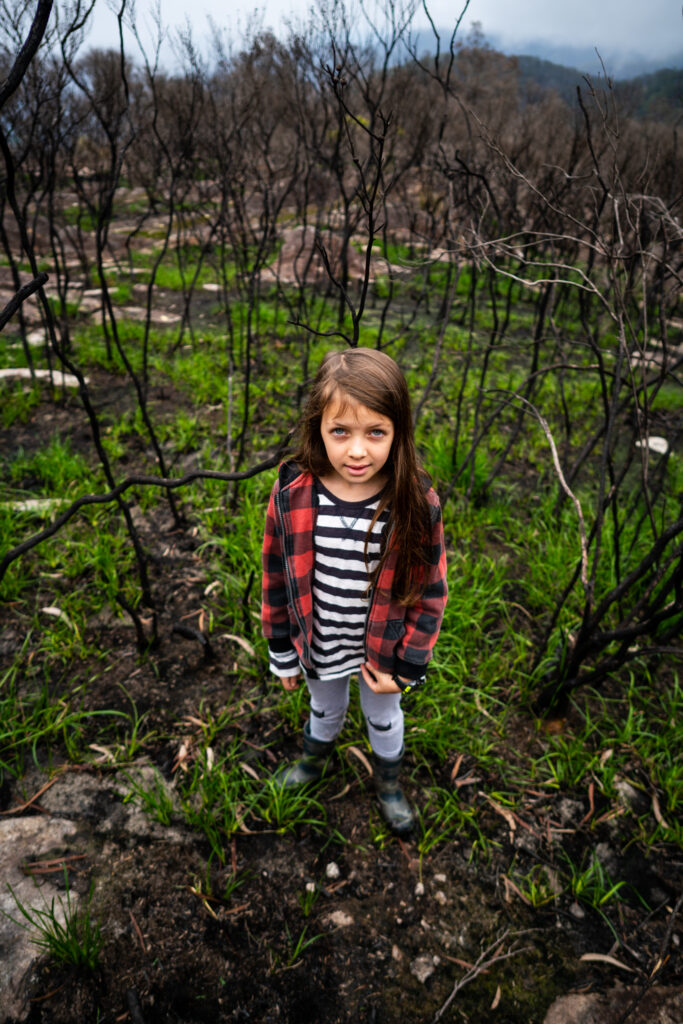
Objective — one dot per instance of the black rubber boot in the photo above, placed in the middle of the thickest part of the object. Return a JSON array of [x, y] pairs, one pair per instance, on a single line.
[[395, 808], [311, 766]]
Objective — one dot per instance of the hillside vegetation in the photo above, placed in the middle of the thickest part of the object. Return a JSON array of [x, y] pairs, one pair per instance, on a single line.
[[654, 97]]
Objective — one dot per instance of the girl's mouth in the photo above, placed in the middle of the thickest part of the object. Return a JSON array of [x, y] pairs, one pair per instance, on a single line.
[[357, 470]]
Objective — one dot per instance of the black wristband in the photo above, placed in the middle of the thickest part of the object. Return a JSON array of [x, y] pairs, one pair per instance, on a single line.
[[408, 686]]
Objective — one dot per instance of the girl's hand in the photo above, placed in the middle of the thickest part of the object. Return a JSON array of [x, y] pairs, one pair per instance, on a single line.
[[380, 682], [291, 682]]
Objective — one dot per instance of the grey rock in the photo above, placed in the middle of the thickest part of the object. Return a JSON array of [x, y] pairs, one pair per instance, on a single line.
[[83, 810], [24, 840], [572, 1009], [658, 1006]]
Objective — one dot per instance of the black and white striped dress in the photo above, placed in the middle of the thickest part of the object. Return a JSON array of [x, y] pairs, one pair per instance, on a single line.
[[340, 583]]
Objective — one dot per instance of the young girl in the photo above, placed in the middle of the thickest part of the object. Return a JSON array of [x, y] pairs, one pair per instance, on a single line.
[[354, 566]]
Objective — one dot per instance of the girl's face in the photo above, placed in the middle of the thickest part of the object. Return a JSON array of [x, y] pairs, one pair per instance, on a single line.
[[358, 444]]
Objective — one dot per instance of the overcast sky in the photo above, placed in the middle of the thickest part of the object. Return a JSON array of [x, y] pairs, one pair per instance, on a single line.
[[650, 28]]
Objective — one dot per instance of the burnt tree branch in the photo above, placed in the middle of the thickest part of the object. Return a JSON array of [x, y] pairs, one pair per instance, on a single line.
[[24, 293], [27, 52], [139, 480]]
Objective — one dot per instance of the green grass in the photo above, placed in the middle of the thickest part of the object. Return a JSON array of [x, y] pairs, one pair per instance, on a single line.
[[287, 809], [154, 798], [216, 795], [75, 216], [19, 399], [40, 714], [66, 932], [168, 276], [53, 469]]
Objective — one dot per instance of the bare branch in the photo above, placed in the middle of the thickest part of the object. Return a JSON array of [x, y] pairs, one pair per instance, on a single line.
[[24, 293], [133, 481], [488, 958], [27, 52], [567, 490]]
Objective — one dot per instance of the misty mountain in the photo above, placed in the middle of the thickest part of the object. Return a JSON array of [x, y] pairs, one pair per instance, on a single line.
[[657, 96], [618, 64]]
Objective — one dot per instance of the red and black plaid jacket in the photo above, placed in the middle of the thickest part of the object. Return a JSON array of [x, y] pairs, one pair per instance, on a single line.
[[397, 639]]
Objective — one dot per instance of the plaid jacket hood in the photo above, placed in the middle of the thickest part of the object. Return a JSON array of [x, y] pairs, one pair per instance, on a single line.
[[397, 639]]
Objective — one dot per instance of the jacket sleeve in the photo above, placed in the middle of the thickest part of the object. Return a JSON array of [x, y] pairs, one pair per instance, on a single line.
[[423, 620], [274, 611]]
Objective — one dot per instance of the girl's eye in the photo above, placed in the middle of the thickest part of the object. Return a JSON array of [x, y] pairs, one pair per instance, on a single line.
[[378, 432], [338, 431]]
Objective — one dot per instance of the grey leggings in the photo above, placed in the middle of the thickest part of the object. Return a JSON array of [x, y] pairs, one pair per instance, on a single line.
[[383, 714]]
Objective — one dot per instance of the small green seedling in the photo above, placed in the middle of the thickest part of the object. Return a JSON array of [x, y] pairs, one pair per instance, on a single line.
[[67, 933]]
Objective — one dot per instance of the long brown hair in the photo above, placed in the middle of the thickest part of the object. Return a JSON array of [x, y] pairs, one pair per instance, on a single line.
[[373, 379]]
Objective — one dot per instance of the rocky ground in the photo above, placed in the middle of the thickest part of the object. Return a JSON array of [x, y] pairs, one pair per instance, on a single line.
[[393, 939]]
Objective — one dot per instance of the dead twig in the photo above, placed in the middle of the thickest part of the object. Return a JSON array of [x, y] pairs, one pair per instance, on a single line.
[[190, 633], [566, 488], [48, 995], [138, 932], [48, 867], [488, 958], [29, 803]]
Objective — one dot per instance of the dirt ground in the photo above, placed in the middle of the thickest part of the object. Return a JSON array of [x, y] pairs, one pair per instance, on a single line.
[[396, 937]]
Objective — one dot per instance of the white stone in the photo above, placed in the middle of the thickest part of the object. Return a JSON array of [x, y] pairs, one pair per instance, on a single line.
[[23, 373], [138, 313], [420, 889], [33, 504], [660, 445], [34, 339], [332, 871], [423, 967], [339, 919]]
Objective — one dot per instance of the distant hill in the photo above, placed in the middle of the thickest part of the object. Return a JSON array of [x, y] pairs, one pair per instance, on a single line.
[[620, 65], [644, 88], [534, 72], [656, 96]]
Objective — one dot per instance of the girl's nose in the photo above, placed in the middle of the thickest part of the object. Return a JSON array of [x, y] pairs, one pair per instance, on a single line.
[[357, 447]]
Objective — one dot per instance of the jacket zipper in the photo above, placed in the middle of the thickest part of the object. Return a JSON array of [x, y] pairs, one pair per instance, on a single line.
[[373, 591], [288, 576], [367, 621]]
